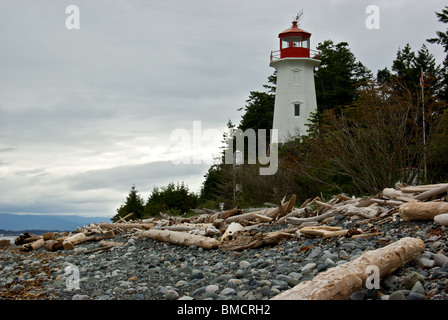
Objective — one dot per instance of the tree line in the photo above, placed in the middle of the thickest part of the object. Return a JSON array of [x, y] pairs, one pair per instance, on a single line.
[[369, 132]]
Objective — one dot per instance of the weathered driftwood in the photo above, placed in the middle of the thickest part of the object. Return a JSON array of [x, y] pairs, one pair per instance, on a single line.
[[231, 231], [73, 240], [350, 209], [269, 212], [105, 243], [112, 226], [37, 244], [318, 218], [420, 188], [253, 239], [323, 231], [417, 210], [123, 219], [49, 236], [394, 194], [340, 282], [387, 202], [53, 245], [432, 192], [181, 238], [306, 211], [4, 243]]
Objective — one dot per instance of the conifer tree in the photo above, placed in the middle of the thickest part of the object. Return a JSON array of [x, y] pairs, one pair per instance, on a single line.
[[442, 39], [134, 204]]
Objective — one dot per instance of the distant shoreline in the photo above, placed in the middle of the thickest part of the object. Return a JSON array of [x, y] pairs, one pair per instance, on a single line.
[[37, 232]]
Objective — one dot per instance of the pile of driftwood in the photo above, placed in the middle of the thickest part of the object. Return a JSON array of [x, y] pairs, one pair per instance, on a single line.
[[238, 230]]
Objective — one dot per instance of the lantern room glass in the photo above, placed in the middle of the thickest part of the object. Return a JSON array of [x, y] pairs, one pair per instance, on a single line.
[[296, 42]]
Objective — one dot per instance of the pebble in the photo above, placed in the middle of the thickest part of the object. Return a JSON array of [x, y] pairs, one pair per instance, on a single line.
[[397, 295], [440, 259], [412, 278], [308, 267], [442, 219], [418, 288]]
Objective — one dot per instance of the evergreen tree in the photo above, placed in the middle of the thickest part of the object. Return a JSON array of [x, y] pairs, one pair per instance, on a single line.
[[174, 198], [134, 204], [338, 76], [442, 39], [407, 68]]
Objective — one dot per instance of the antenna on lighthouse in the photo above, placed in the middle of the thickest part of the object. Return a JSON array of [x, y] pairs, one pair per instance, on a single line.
[[298, 16]]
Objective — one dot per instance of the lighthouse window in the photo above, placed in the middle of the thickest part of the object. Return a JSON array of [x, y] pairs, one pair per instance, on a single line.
[[296, 41], [305, 42], [297, 110], [285, 42]]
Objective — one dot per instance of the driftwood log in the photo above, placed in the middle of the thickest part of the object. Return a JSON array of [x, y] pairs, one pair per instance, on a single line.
[[443, 188], [416, 210], [253, 239], [340, 282], [181, 238], [323, 231], [112, 226], [53, 245], [231, 231], [73, 240]]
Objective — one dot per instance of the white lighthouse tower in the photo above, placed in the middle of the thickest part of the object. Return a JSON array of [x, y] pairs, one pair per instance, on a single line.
[[295, 96]]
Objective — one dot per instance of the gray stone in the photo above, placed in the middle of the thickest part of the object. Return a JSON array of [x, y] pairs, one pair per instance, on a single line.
[[98, 292], [357, 295], [314, 253], [196, 275], [211, 288], [397, 295], [171, 294], [412, 278], [138, 296], [266, 291], [80, 297], [161, 291], [198, 292], [418, 288], [425, 262], [17, 287], [440, 259], [228, 292], [415, 296], [284, 278], [308, 267], [329, 263], [442, 219], [321, 267], [244, 264]]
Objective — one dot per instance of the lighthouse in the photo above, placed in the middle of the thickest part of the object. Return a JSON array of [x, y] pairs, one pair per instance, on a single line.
[[295, 97]]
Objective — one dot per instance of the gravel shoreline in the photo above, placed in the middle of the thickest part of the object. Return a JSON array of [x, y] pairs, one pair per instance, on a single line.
[[145, 269]]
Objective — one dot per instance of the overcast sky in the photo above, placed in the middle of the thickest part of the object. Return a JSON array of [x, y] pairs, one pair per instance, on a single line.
[[87, 113]]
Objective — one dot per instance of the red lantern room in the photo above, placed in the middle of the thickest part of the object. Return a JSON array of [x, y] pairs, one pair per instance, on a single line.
[[294, 43]]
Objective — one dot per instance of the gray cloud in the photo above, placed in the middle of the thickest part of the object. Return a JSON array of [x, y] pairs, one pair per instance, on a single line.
[[87, 113]]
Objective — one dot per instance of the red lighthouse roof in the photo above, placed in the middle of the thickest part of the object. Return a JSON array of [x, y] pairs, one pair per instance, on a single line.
[[294, 30]]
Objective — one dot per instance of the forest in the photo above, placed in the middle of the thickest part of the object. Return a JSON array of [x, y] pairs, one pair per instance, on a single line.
[[369, 132]]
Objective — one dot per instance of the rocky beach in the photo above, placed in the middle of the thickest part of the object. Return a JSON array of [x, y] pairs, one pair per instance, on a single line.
[[141, 268]]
